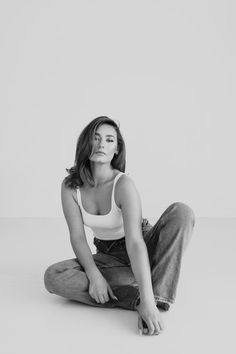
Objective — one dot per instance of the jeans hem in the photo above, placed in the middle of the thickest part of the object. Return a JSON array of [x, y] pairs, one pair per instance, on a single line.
[[160, 301], [134, 303], [163, 302]]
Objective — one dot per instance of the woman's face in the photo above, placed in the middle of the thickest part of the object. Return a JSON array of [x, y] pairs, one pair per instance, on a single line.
[[104, 144]]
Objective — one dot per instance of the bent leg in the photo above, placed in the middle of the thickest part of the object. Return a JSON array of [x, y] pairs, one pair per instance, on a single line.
[[65, 278], [166, 242], [68, 279]]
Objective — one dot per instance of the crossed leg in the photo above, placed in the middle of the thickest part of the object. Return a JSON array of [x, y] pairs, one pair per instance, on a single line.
[[68, 279]]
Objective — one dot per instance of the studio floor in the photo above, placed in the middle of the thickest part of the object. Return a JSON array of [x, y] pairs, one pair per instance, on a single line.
[[202, 320]]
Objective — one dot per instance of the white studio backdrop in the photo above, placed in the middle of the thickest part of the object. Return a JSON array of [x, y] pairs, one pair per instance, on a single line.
[[164, 69]]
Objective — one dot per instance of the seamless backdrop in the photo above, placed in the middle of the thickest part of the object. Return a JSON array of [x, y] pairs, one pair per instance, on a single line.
[[164, 69]]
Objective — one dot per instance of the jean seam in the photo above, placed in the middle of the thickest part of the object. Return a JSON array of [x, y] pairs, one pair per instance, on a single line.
[[163, 299], [112, 266], [156, 298], [108, 248]]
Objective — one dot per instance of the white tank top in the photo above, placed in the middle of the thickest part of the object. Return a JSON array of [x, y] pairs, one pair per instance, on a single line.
[[105, 227]]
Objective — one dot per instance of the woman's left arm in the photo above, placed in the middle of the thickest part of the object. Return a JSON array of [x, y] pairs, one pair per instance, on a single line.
[[130, 203], [136, 248]]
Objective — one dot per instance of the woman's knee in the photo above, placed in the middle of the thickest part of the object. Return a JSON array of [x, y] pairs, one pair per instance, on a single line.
[[65, 276], [183, 212], [49, 278]]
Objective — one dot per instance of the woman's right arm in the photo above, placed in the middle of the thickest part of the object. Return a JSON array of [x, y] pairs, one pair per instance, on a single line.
[[99, 289], [78, 239]]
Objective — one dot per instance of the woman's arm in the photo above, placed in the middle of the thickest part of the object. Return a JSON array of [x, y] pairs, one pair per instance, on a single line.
[[78, 239], [99, 289], [130, 203]]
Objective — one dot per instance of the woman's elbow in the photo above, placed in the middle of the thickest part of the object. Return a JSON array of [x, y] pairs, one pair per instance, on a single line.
[[133, 245]]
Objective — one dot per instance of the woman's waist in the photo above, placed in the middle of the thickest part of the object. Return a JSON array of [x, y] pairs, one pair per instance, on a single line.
[[108, 241]]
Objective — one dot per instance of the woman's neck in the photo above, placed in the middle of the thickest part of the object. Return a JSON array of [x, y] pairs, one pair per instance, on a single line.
[[102, 174]]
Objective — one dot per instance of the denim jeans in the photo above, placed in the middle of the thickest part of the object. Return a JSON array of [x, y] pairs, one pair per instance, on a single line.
[[166, 242]]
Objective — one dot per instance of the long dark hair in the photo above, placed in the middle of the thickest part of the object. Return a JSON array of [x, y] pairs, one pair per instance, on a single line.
[[82, 169]]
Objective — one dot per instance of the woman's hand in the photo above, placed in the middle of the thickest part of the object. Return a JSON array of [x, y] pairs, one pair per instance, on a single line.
[[149, 313], [99, 289]]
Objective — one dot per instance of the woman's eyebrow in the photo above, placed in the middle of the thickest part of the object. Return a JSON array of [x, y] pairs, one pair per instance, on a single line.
[[106, 135]]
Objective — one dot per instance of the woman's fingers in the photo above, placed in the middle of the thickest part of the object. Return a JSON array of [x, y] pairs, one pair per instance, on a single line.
[[151, 328], [111, 293], [161, 325], [106, 297], [148, 327], [149, 323], [145, 327], [140, 325], [96, 298], [157, 329], [103, 298]]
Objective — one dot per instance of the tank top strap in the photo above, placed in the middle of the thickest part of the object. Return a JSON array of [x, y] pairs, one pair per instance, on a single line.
[[79, 197], [112, 195], [114, 184]]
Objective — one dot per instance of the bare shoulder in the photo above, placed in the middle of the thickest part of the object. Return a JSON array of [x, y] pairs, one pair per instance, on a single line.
[[131, 208], [124, 182], [72, 213], [68, 192], [126, 189]]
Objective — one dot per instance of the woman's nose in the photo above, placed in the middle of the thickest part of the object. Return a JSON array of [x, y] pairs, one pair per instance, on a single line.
[[101, 143]]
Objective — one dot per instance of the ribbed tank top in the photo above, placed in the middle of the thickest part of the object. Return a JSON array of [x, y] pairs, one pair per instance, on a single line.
[[105, 227]]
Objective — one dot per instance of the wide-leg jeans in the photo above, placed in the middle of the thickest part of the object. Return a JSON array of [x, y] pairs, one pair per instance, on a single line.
[[166, 242]]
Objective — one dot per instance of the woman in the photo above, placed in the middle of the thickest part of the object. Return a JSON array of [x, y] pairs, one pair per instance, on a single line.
[[136, 265]]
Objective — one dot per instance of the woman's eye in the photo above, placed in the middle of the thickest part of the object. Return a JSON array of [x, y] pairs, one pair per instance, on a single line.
[[109, 140]]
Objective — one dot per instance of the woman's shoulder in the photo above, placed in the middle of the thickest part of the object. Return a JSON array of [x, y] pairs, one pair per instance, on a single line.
[[65, 189], [126, 191], [125, 181]]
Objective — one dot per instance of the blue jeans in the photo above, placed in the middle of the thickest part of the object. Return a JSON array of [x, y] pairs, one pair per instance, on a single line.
[[166, 242]]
